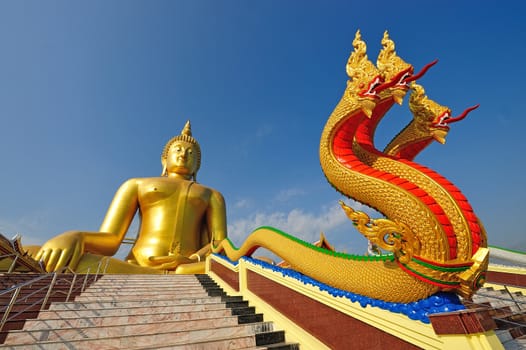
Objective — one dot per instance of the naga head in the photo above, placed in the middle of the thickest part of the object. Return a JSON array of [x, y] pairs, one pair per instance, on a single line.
[[431, 118], [366, 82], [396, 71]]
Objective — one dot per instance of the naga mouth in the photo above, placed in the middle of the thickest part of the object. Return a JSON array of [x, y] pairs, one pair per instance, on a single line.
[[376, 86], [444, 120], [400, 82]]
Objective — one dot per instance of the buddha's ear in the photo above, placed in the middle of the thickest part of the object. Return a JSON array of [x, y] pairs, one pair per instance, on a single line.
[[163, 162]]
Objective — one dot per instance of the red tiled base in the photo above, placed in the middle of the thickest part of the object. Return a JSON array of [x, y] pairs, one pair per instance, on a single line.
[[335, 329], [462, 322], [229, 276], [506, 278]]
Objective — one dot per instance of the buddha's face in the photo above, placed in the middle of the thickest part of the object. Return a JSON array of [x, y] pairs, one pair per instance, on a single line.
[[181, 158]]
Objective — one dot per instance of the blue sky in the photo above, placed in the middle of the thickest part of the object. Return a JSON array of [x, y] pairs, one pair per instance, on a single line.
[[91, 91]]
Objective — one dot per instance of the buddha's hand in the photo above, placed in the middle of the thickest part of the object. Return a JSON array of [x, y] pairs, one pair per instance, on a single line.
[[201, 254], [63, 250], [169, 262]]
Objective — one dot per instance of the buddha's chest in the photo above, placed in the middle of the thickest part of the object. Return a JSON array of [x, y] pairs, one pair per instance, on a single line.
[[172, 193]]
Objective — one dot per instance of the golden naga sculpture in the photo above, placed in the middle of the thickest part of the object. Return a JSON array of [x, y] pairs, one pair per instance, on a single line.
[[430, 123], [435, 241], [179, 220]]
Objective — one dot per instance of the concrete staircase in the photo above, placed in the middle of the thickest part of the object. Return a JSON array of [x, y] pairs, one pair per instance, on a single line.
[[149, 312], [509, 312]]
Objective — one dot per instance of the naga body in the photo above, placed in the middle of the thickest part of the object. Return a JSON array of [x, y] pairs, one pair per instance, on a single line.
[[436, 242]]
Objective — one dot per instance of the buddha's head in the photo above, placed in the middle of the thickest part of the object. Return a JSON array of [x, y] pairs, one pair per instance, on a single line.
[[182, 154]]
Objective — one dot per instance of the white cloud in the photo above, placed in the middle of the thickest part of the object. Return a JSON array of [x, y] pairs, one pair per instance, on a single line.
[[243, 204], [287, 194], [296, 222]]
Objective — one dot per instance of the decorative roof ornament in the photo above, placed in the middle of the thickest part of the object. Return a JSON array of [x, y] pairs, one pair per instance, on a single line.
[[359, 68], [388, 62], [364, 79]]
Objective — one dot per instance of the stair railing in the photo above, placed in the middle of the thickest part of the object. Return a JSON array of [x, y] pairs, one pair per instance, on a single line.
[[517, 303], [506, 321], [511, 299], [57, 277], [13, 263]]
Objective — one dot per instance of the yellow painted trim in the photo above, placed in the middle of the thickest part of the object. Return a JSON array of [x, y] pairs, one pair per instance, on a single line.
[[509, 269], [479, 341], [512, 289]]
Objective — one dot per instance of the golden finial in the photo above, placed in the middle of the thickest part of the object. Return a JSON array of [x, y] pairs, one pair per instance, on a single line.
[[357, 57], [388, 62], [187, 130], [359, 69]]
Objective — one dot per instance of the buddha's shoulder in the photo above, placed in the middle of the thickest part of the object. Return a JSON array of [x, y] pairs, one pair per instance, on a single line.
[[142, 181], [148, 181]]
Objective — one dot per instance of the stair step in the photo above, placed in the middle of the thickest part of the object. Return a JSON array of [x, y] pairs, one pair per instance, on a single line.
[[143, 286], [121, 330], [270, 337], [128, 310], [252, 318], [146, 342], [144, 279], [280, 346], [101, 321], [149, 335], [76, 305], [137, 296], [249, 310], [148, 312]]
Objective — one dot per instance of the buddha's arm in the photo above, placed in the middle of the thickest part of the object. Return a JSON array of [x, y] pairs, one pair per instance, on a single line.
[[216, 221], [68, 247], [117, 221], [216, 217]]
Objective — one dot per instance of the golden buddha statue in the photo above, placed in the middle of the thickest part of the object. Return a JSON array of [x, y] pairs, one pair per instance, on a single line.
[[179, 219]]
